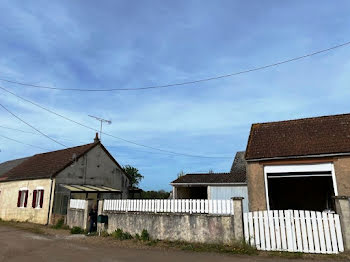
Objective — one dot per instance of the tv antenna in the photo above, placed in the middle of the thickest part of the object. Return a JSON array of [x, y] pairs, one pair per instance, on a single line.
[[102, 121]]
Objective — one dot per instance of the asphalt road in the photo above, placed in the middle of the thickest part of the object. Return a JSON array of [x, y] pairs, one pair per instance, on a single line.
[[18, 245]]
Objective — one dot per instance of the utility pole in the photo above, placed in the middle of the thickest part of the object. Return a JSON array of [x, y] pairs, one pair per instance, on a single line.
[[102, 121]]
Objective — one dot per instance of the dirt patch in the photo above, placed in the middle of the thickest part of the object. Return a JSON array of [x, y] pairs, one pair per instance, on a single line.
[[49, 233]]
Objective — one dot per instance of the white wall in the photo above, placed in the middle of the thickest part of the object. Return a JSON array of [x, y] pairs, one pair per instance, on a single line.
[[227, 192]]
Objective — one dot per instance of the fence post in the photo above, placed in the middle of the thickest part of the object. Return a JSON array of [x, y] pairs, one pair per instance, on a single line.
[[342, 207], [237, 204], [100, 226]]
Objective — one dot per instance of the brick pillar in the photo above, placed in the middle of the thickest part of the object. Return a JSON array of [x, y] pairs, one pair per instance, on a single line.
[[342, 206], [238, 218]]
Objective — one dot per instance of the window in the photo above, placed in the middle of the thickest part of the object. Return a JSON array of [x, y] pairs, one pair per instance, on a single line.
[[38, 198], [22, 198]]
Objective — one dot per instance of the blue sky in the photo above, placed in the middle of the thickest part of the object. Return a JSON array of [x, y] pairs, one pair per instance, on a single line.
[[130, 44]]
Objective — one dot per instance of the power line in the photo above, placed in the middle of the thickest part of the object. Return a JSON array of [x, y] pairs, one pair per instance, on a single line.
[[119, 138], [28, 132], [112, 146], [23, 143], [186, 82], [32, 126]]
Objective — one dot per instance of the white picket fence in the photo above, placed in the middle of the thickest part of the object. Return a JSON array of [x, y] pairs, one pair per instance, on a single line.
[[77, 203], [294, 231], [192, 206]]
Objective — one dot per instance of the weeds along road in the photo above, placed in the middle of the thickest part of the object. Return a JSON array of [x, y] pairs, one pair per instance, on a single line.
[[19, 245]]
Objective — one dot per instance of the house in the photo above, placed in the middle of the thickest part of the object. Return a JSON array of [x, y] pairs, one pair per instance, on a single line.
[[38, 188], [298, 164], [215, 185]]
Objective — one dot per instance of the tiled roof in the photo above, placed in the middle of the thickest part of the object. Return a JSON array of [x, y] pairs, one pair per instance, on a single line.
[[8, 165], [46, 165], [301, 137], [237, 174]]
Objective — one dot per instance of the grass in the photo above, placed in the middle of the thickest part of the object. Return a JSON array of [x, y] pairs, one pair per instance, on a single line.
[[77, 230]]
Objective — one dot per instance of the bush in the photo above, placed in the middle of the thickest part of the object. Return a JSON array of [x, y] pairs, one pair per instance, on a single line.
[[59, 224], [145, 235], [77, 230], [119, 234], [104, 233]]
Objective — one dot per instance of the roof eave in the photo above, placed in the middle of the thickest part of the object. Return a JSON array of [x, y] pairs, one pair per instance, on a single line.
[[294, 157], [210, 184]]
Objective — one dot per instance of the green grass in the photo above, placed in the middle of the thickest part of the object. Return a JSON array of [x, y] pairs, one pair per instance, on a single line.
[[77, 230]]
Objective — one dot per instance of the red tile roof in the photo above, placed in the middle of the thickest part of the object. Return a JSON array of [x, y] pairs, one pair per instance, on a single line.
[[46, 165], [301, 137]]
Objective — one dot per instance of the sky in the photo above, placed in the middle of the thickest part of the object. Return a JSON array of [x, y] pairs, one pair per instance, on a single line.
[[132, 44]]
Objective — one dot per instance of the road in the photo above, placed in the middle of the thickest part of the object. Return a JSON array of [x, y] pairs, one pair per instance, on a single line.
[[19, 245]]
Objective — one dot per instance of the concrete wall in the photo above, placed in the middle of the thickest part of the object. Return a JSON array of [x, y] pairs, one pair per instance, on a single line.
[[95, 168], [76, 218], [256, 187], [227, 192], [176, 227], [342, 174], [9, 197], [256, 182]]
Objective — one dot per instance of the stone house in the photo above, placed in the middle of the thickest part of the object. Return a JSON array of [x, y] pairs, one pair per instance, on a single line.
[[299, 164], [38, 188], [215, 186]]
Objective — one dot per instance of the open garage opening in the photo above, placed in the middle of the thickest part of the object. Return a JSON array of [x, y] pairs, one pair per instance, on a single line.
[[301, 191], [194, 192]]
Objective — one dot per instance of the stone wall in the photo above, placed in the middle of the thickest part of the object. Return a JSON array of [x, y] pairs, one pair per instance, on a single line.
[[175, 227], [195, 228]]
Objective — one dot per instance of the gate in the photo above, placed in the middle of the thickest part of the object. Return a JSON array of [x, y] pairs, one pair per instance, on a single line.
[[294, 231]]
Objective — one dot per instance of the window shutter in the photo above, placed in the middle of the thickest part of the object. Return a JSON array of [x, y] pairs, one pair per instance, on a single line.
[[26, 198], [34, 198], [19, 198], [41, 198]]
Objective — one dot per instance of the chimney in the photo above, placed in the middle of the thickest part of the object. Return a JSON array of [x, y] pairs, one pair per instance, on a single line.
[[96, 139]]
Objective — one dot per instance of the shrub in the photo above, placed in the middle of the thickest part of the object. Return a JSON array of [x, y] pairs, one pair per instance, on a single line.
[[145, 235], [59, 224], [119, 234], [77, 230], [104, 233]]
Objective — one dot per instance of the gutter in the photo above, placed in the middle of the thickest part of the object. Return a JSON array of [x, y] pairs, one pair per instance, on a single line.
[[48, 212], [297, 157], [209, 184]]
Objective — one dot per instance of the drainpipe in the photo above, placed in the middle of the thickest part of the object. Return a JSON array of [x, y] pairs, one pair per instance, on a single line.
[[48, 213]]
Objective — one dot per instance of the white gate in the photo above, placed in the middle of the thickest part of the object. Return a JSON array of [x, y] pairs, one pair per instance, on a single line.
[[294, 231]]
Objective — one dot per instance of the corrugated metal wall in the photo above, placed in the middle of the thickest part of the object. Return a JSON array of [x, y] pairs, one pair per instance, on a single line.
[[227, 192]]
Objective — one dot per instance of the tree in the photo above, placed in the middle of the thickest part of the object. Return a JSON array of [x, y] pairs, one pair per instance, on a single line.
[[134, 174], [161, 194]]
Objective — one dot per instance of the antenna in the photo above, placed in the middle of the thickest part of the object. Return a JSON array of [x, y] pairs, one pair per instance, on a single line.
[[102, 121]]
